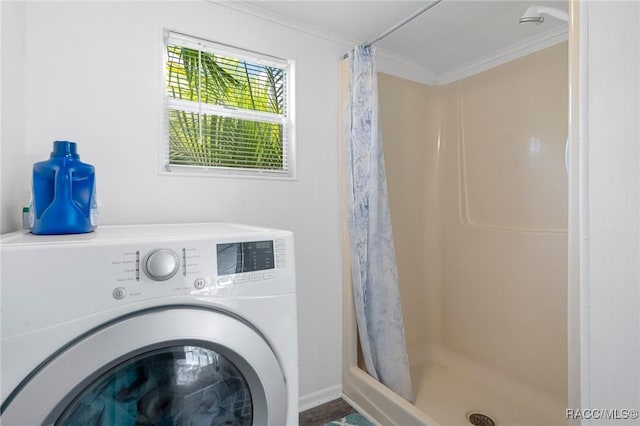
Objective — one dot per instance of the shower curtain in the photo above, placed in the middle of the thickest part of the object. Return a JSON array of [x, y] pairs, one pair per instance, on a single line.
[[373, 263]]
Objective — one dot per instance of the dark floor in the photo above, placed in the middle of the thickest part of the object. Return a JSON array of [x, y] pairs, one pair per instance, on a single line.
[[325, 413]]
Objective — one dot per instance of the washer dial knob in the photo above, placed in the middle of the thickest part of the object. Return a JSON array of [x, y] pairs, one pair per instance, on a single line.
[[161, 264]]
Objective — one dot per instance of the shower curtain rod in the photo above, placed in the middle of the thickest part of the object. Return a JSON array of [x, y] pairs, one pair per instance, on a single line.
[[400, 24]]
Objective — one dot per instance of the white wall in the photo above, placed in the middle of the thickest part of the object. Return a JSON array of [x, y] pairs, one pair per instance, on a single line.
[[14, 189], [610, 208], [94, 75]]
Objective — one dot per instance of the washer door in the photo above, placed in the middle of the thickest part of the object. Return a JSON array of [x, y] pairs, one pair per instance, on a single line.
[[178, 366]]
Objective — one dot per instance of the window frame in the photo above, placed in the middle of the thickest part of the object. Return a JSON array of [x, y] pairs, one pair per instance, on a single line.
[[289, 157]]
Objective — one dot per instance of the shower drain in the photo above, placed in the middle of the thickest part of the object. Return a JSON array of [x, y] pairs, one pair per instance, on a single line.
[[479, 419]]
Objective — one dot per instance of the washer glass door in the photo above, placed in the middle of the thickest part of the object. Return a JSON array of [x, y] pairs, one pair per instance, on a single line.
[[178, 385], [168, 365]]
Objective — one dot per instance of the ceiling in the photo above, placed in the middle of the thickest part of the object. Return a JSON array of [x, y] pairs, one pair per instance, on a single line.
[[452, 40]]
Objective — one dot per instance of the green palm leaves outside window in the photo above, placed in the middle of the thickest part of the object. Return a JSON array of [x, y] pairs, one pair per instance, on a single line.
[[224, 112]]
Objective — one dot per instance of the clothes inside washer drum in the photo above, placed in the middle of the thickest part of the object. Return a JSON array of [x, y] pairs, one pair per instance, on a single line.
[[181, 385]]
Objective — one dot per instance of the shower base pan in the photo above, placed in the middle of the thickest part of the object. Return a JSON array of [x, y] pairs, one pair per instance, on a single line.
[[448, 393]]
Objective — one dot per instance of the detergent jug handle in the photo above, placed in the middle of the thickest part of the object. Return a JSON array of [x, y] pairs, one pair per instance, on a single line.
[[63, 187]]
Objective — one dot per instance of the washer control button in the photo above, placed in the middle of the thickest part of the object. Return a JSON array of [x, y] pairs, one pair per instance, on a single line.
[[269, 275], [225, 281], [161, 264], [119, 293], [255, 277], [241, 279], [199, 283]]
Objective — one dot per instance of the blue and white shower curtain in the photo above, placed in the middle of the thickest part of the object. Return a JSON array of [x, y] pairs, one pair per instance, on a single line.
[[373, 262]]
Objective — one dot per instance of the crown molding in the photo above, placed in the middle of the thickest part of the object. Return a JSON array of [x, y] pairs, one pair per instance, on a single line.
[[390, 63], [401, 66], [502, 56], [275, 18]]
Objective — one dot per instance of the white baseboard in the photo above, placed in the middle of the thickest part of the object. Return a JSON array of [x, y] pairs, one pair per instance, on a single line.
[[316, 398]]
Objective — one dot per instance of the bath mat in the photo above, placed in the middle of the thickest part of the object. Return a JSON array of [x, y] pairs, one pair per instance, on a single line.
[[355, 419]]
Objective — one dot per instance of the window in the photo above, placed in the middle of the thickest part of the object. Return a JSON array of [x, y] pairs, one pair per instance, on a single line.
[[228, 110]]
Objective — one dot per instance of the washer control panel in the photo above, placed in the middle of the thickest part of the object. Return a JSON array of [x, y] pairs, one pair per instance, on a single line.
[[59, 278], [214, 268]]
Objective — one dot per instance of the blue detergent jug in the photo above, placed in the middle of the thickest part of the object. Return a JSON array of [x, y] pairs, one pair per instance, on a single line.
[[64, 193]]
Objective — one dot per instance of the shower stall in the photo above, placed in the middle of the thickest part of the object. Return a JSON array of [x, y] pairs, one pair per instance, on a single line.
[[478, 199]]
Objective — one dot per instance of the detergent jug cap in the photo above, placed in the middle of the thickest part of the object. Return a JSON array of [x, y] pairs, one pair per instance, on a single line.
[[65, 149]]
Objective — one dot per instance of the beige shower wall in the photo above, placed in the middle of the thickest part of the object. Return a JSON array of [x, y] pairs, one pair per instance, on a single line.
[[411, 123], [478, 197]]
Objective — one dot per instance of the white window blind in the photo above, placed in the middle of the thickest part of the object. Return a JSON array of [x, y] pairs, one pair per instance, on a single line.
[[228, 110]]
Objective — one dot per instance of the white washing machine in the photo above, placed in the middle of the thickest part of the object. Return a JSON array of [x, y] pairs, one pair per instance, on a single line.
[[189, 324]]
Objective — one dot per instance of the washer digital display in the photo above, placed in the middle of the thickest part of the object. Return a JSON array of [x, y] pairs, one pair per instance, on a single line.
[[236, 258]]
